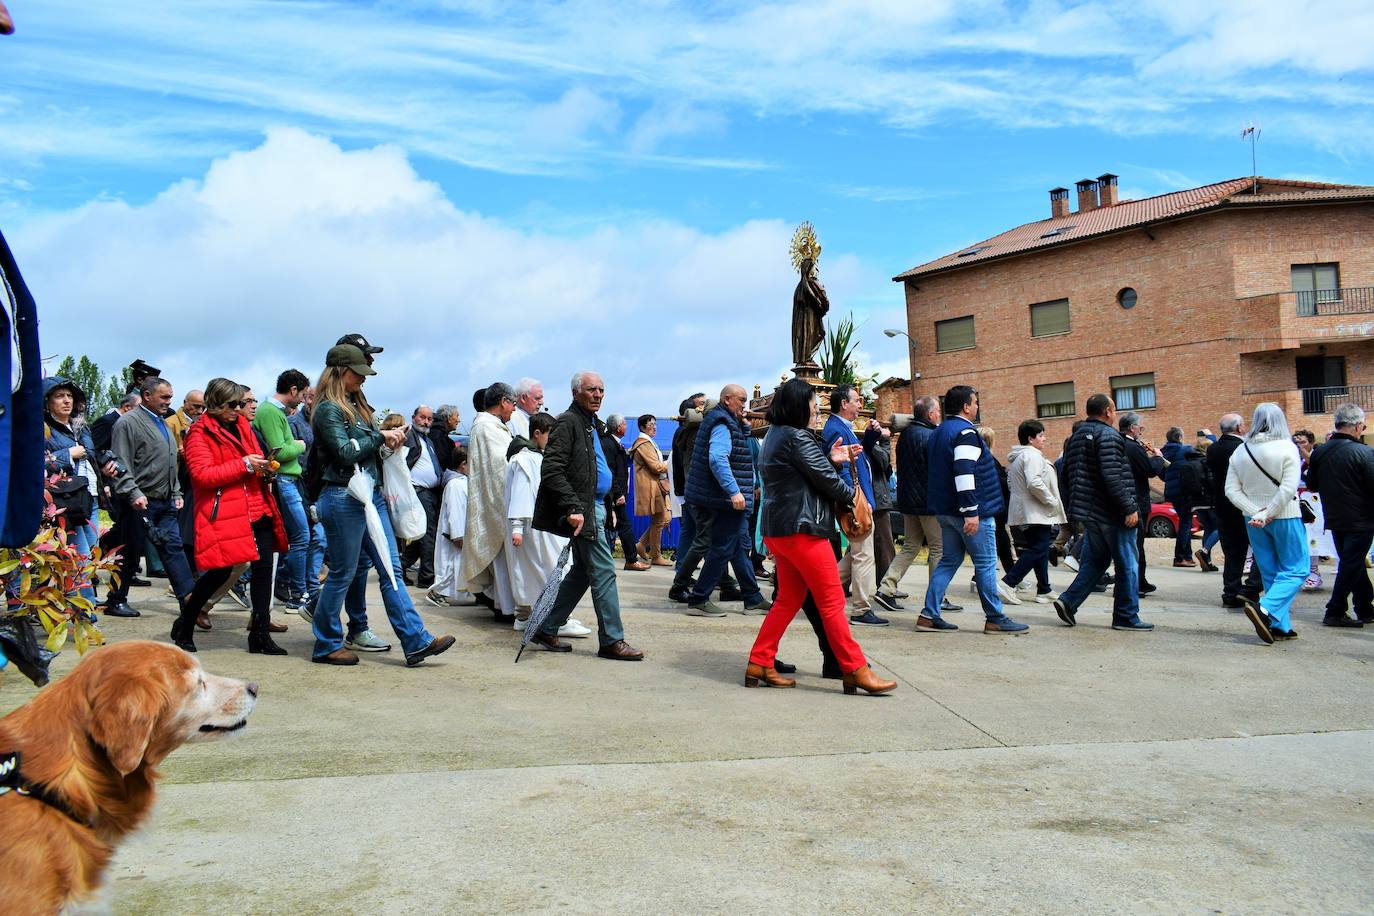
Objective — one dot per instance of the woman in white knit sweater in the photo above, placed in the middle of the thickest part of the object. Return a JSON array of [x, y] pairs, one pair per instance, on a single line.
[[1262, 483]]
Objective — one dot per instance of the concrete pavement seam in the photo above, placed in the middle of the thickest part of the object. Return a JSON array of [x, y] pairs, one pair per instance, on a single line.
[[962, 718]]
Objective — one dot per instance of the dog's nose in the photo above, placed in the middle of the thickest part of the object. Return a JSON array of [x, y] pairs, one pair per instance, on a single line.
[[253, 690]]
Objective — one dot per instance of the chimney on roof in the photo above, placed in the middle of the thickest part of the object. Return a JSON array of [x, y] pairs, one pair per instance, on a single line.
[[1106, 189], [1059, 202], [1087, 195]]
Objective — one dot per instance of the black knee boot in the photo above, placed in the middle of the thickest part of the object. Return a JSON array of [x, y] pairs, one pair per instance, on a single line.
[[259, 640]]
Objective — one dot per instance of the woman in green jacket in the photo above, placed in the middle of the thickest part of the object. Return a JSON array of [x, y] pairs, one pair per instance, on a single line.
[[345, 441]]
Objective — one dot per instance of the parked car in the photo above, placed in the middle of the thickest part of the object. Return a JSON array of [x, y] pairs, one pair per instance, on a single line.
[[1163, 521]]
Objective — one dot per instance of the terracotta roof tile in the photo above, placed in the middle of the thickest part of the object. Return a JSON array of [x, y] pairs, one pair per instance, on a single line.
[[1128, 214]]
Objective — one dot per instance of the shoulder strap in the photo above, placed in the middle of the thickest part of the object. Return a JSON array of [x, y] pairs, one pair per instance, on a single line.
[[1272, 479]]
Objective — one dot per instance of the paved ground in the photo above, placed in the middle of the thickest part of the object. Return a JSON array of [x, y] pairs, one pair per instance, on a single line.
[[1187, 770]]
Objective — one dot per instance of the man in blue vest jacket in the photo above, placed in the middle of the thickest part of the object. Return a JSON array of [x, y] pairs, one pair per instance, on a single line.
[[965, 495], [857, 569], [720, 486]]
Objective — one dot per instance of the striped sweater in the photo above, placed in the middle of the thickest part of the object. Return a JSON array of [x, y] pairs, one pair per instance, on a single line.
[[962, 475]]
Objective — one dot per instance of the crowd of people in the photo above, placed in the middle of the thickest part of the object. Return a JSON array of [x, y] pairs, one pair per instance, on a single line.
[[225, 495]]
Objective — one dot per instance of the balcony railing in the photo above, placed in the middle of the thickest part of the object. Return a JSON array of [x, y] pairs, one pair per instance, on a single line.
[[1351, 300], [1326, 400]]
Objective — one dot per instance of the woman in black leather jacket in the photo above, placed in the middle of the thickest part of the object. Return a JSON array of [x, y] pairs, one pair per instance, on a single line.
[[800, 488]]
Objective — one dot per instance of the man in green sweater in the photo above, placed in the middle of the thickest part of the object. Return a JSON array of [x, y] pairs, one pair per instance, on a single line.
[[271, 423]]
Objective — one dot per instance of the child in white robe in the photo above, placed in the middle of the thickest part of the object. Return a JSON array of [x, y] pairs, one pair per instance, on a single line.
[[531, 554], [449, 587]]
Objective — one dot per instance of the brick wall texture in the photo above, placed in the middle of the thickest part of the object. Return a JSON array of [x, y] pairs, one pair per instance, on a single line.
[[1215, 320]]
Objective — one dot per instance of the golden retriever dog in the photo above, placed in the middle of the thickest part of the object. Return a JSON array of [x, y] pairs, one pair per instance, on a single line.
[[87, 750]]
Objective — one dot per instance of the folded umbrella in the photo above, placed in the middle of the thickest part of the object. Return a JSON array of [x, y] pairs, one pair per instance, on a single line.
[[548, 595]]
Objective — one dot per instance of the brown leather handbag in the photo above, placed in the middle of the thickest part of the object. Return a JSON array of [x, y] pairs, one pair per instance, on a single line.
[[856, 523]]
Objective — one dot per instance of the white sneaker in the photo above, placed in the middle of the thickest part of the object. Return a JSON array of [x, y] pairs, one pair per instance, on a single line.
[[574, 628], [1044, 599], [366, 641], [1023, 587], [436, 599], [1071, 563], [520, 625], [1007, 593]]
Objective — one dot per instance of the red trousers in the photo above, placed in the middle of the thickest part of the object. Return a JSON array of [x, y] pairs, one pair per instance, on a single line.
[[805, 563]]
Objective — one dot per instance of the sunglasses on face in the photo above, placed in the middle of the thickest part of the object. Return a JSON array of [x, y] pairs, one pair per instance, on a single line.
[[237, 405]]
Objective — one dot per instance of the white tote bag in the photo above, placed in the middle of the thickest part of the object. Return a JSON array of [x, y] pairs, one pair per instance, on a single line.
[[407, 515]]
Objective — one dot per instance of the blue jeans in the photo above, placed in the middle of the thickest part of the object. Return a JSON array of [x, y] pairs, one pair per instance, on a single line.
[[686, 531], [982, 547], [1283, 562], [297, 525], [1183, 539], [164, 531], [594, 567], [1211, 530], [84, 537], [314, 560], [1103, 546], [730, 543], [346, 526]]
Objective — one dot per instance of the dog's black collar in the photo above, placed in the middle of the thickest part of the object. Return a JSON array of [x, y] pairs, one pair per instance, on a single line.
[[12, 780]]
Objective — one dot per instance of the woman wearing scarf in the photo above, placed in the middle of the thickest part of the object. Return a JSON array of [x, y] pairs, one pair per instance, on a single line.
[[71, 451]]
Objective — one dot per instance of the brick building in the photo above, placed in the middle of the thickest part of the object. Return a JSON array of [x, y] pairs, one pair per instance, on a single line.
[[1183, 306]]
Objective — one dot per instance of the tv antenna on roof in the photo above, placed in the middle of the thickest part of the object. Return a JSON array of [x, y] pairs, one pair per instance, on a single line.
[[1252, 130]]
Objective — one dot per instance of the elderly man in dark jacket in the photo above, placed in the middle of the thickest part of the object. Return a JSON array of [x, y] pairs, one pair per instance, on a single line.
[[920, 527], [1235, 542], [1341, 471], [720, 490], [1146, 462], [1102, 497], [575, 482]]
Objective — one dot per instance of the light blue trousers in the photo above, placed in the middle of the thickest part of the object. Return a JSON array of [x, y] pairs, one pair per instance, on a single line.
[[1281, 553]]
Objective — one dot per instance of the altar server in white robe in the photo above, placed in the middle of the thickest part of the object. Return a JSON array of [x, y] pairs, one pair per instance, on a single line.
[[449, 587]]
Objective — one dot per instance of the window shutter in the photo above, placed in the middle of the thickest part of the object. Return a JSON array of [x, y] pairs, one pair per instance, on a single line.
[[954, 334], [1050, 318]]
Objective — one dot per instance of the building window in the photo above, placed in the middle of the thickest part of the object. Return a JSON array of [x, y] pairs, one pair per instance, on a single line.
[[954, 334], [1054, 400], [1134, 392], [1049, 318], [1315, 284], [1126, 298]]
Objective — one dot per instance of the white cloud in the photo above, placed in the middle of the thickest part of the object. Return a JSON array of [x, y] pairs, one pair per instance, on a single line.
[[542, 87], [277, 251]]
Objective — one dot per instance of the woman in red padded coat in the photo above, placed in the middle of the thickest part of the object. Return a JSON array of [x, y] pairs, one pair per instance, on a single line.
[[237, 520]]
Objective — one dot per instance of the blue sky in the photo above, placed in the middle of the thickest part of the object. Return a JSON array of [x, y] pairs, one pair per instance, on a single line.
[[494, 190]]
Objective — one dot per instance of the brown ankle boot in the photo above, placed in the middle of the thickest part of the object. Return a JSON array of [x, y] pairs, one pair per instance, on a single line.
[[865, 678], [757, 675]]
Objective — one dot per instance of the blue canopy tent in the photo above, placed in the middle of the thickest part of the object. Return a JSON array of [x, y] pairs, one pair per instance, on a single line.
[[664, 439]]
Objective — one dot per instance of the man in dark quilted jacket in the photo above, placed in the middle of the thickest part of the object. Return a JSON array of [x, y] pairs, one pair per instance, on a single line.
[[1102, 498]]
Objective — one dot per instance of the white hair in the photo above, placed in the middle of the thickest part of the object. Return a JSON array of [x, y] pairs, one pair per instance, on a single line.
[[1268, 423], [614, 420], [1348, 415], [579, 378], [1229, 423], [525, 386]]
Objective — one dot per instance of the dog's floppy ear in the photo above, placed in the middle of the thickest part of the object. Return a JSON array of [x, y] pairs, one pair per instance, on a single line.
[[122, 719]]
